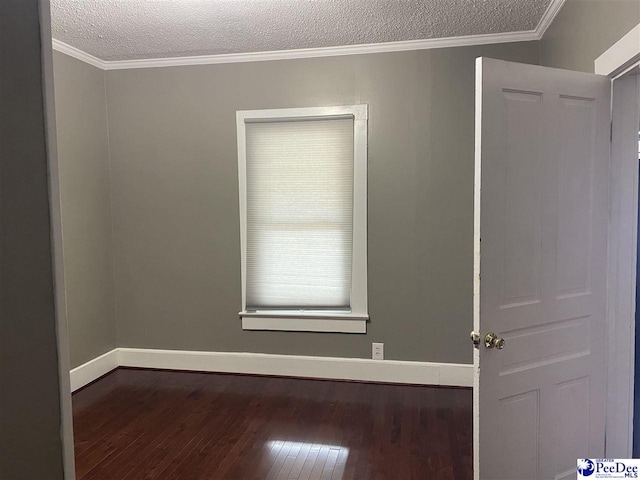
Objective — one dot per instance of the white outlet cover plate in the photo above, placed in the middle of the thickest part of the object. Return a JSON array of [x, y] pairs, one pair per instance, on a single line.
[[377, 351]]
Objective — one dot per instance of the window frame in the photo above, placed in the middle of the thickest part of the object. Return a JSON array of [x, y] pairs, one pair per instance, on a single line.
[[355, 320]]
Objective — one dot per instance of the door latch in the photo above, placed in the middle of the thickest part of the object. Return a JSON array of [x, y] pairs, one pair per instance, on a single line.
[[475, 339]]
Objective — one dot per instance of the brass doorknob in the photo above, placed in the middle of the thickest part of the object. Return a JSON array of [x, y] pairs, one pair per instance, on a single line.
[[475, 338], [491, 340]]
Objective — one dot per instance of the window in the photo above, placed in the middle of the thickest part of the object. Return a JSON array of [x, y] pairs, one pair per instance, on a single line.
[[303, 218]]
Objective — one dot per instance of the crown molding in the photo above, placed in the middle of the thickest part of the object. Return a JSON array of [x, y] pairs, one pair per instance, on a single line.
[[408, 45], [401, 46], [78, 54], [548, 16], [324, 51]]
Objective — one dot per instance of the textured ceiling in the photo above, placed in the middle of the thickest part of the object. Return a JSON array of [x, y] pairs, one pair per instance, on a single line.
[[134, 29]]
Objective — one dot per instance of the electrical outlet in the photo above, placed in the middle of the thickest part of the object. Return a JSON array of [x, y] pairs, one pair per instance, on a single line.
[[377, 351]]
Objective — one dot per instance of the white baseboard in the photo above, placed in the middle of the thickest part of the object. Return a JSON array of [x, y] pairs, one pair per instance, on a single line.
[[391, 371], [387, 371], [93, 369]]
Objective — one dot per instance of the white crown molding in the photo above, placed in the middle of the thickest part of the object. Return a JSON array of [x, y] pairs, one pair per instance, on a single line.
[[548, 16], [386, 47], [302, 53], [386, 371], [402, 46], [78, 54]]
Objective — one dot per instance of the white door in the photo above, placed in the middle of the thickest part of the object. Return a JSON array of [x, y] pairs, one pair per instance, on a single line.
[[541, 214]]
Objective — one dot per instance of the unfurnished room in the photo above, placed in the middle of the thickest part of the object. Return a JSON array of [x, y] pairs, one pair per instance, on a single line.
[[319, 239]]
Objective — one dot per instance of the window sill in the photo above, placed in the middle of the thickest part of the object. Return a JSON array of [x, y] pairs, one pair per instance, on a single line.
[[305, 322]]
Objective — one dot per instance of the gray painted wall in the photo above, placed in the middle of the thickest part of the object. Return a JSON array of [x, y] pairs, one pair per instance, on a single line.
[[30, 395], [83, 153], [175, 198], [584, 29]]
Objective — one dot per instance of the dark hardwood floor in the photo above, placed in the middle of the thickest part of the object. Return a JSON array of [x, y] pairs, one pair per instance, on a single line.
[[143, 424]]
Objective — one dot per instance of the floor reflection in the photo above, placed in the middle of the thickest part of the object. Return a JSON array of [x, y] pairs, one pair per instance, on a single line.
[[302, 459]]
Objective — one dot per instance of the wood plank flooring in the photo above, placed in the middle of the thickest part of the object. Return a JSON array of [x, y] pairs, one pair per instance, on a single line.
[[144, 424]]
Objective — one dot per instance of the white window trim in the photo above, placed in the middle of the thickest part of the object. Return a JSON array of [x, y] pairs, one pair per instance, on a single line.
[[353, 321]]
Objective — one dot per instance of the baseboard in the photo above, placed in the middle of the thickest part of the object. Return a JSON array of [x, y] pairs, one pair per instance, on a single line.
[[388, 371], [93, 369]]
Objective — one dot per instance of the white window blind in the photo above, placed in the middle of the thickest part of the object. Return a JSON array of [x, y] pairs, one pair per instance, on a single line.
[[299, 230]]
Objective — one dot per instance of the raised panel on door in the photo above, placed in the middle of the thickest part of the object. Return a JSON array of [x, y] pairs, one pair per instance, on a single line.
[[541, 244], [575, 194], [522, 235]]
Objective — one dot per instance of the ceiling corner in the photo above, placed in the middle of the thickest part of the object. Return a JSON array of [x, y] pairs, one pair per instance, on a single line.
[[547, 18]]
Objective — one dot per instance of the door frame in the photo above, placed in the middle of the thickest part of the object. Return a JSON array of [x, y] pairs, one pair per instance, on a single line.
[[615, 63], [64, 381]]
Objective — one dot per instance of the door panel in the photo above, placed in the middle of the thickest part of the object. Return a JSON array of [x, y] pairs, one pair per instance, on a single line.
[[522, 412], [521, 279], [542, 167], [575, 195]]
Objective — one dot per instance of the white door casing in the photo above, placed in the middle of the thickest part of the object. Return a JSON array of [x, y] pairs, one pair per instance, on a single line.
[[540, 280], [625, 118]]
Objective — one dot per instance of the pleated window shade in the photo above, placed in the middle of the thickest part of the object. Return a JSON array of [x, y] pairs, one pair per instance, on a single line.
[[299, 235]]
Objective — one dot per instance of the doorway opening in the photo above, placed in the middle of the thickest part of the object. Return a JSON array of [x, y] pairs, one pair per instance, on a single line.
[[636, 406]]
